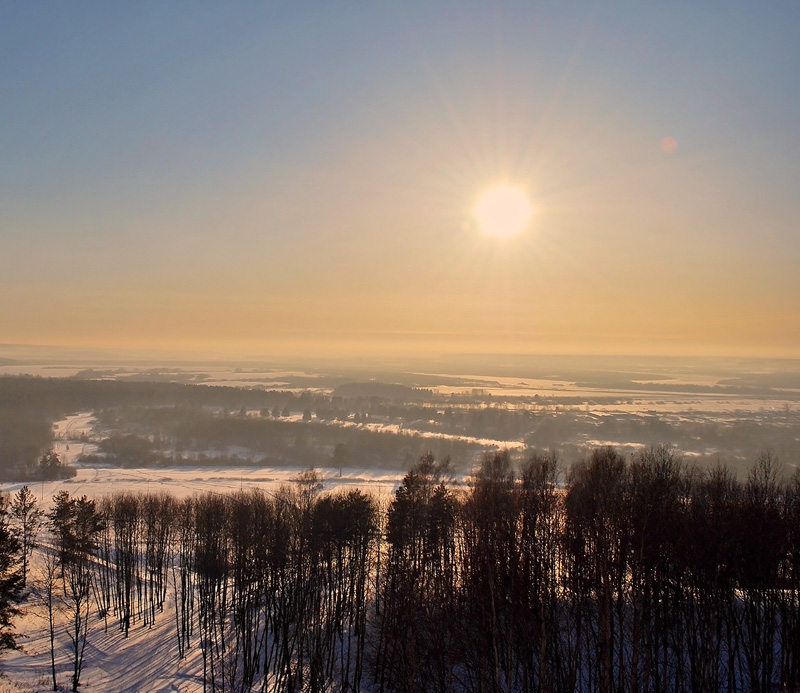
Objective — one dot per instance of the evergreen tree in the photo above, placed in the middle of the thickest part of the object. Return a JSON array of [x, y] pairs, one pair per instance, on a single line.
[[76, 524], [27, 517], [10, 577]]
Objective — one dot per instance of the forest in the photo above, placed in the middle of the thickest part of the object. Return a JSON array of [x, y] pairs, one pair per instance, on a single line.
[[619, 574], [373, 424]]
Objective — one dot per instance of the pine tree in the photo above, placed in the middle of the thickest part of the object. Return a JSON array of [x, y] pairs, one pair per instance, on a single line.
[[76, 525], [10, 577], [27, 517]]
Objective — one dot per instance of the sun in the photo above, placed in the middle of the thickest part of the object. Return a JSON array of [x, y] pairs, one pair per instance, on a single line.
[[503, 211]]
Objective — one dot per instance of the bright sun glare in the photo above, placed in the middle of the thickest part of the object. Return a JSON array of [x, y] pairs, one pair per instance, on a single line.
[[503, 211]]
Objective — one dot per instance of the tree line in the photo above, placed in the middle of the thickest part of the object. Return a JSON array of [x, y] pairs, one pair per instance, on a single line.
[[622, 574]]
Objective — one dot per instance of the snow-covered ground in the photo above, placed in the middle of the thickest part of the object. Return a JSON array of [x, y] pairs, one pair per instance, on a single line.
[[96, 482], [71, 441], [147, 660], [629, 401]]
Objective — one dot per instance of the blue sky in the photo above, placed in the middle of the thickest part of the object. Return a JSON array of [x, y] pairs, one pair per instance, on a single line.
[[275, 176]]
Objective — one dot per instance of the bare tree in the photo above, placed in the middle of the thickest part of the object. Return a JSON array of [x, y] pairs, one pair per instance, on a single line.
[[790, 581], [52, 601], [212, 565], [124, 517], [183, 547], [598, 539], [762, 547], [417, 623]]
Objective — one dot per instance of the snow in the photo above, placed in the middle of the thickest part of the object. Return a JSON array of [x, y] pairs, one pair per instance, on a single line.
[[97, 482], [148, 659]]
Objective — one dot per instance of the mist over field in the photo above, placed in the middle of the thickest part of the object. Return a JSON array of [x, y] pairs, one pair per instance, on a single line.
[[385, 413]]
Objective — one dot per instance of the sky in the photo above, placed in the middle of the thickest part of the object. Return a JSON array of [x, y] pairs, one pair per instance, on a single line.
[[283, 177]]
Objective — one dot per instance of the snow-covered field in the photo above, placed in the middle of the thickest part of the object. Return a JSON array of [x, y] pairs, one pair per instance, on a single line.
[[629, 401], [98, 481]]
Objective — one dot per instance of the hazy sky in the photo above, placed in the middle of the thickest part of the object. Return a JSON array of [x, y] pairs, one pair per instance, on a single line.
[[256, 177]]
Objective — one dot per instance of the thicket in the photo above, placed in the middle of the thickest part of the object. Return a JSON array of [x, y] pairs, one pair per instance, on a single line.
[[641, 574]]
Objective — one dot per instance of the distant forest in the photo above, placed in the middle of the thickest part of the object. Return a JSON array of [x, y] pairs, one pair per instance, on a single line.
[[370, 424], [640, 574], [152, 423]]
